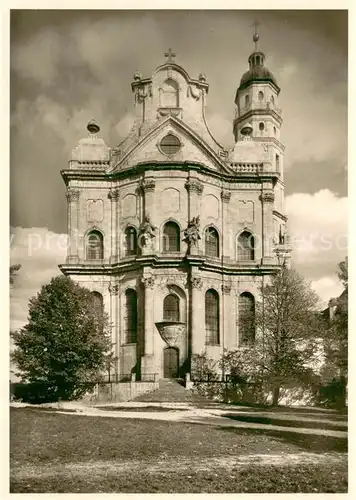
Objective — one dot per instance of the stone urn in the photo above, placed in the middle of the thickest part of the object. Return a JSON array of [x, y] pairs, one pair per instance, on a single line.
[[172, 332]]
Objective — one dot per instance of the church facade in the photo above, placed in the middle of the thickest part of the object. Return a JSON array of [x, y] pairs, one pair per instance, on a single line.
[[174, 234]]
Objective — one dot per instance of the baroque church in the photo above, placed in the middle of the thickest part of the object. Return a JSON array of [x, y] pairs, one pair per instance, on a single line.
[[174, 234]]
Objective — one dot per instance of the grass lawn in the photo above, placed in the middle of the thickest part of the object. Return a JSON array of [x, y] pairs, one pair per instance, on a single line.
[[58, 453]]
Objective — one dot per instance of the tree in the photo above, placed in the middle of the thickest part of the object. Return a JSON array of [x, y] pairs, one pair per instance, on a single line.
[[62, 351], [286, 325], [336, 338], [12, 274]]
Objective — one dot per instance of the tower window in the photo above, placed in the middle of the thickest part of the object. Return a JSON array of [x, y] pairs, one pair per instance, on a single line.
[[130, 319], [171, 308], [246, 318], [261, 126], [130, 241], [170, 144], [277, 163], [211, 242], [260, 96], [275, 131], [169, 94], [246, 246], [212, 323], [171, 237], [247, 100], [98, 303], [95, 246], [258, 60]]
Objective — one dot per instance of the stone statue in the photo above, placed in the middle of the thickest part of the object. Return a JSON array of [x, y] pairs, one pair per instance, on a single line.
[[191, 234], [147, 232]]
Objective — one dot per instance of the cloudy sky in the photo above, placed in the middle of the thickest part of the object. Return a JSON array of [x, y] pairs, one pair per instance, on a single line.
[[70, 66]]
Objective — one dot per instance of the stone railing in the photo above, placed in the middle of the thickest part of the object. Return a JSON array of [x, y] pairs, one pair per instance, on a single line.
[[247, 167]]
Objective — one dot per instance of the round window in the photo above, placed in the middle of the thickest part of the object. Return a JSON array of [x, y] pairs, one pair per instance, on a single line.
[[262, 126], [170, 144]]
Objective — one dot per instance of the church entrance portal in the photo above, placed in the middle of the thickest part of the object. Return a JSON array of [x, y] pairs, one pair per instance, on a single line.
[[170, 362]]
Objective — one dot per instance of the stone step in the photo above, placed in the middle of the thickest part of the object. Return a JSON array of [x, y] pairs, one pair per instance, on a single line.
[[170, 390]]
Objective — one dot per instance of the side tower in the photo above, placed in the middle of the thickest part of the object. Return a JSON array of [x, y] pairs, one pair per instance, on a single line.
[[259, 117]]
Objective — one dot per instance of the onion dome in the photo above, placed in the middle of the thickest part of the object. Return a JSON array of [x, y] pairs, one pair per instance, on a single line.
[[91, 148], [247, 150], [257, 73]]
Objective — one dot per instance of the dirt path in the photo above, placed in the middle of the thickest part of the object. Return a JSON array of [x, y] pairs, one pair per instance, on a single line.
[[166, 465]]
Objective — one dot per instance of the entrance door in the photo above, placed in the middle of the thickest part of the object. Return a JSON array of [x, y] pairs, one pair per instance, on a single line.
[[170, 362]]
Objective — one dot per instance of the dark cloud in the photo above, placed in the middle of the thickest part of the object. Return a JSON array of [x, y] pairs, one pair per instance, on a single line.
[[70, 66]]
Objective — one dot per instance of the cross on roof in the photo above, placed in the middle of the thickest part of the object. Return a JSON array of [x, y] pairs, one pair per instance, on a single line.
[[256, 36], [170, 55]]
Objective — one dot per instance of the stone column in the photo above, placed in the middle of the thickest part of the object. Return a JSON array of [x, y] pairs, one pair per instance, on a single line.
[[73, 229], [115, 237], [228, 315], [115, 322], [147, 188], [197, 315], [267, 199], [195, 190], [147, 365]]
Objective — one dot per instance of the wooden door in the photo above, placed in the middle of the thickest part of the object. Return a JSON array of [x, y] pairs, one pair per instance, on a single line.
[[171, 362]]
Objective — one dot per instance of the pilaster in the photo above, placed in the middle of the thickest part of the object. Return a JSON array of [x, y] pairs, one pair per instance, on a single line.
[[114, 196], [267, 200], [73, 221], [115, 332]]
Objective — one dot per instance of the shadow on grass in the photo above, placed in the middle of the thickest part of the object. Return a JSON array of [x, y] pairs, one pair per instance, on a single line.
[[307, 442], [284, 422], [139, 409]]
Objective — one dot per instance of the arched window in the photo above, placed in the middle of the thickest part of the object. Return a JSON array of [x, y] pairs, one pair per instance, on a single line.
[[277, 163], [130, 241], [98, 303], [261, 126], [247, 100], [211, 242], [260, 96], [95, 245], [171, 308], [212, 322], [169, 94], [130, 319], [272, 101], [247, 325], [171, 237], [246, 246]]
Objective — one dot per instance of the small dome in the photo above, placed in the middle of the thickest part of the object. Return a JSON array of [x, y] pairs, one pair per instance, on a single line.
[[247, 151], [91, 148], [257, 72]]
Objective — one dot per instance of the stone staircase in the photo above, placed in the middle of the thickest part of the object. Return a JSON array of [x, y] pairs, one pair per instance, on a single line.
[[171, 391]]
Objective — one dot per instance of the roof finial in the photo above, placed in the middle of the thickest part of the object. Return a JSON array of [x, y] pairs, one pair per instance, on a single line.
[[170, 55], [256, 36]]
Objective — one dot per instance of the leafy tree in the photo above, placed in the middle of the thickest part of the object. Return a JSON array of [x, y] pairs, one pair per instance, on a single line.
[[336, 340], [286, 325], [63, 349], [12, 273]]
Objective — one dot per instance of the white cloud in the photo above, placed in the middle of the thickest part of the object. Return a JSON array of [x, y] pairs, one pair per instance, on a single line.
[[327, 288], [39, 251], [318, 226]]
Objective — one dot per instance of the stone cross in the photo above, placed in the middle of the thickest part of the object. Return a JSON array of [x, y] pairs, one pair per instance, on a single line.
[[170, 55]]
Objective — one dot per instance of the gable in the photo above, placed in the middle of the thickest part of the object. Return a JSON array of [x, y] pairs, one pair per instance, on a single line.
[[171, 141]]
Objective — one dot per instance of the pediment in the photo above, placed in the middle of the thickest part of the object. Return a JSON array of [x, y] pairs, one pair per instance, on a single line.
[[171, 140]]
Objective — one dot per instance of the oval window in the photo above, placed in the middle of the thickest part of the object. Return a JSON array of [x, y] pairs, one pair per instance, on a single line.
[[170, 144]]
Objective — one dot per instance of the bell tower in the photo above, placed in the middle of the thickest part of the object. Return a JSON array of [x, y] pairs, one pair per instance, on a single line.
[[257, 105]]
